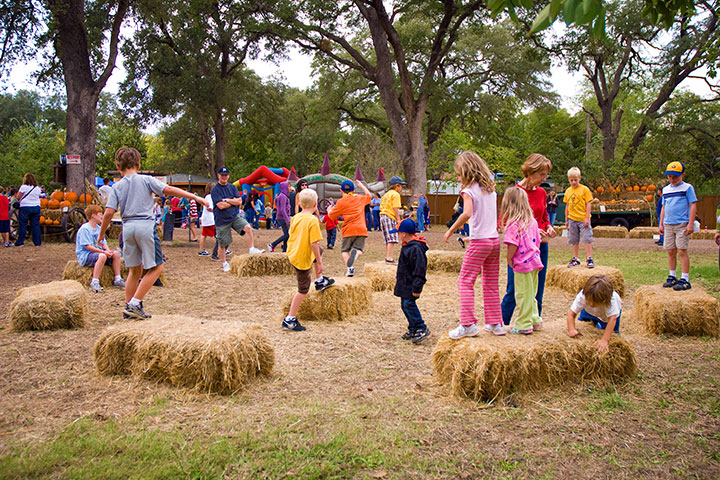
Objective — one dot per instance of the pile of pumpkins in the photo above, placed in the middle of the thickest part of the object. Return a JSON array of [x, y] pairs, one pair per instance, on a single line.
[[627, 191], [60, 199]]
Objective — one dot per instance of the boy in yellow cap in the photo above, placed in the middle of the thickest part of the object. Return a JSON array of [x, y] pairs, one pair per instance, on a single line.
[[675, 223]]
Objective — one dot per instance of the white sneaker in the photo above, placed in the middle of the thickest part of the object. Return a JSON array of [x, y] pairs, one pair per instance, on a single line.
[[497, 329], [350, 271], [463, 331], [253, 250], [120, 283], [226, 267], [95, 287]]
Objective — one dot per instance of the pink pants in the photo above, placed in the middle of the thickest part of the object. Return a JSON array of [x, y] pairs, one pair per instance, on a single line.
[[480, 256]]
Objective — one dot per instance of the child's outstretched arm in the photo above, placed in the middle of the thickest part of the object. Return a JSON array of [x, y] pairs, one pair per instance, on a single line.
[[602, 344], [178, 192], [364, 188], [572, 331], [462, 218], [107, 217]]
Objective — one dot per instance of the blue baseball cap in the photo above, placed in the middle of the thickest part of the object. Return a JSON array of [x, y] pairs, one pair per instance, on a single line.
[[223, 171], [396, 181], [347, 186], [406, 226]]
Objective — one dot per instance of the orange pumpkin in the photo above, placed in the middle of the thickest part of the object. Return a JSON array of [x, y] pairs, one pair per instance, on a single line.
[[43, 203], [52, 204], [643, 188], [64, 204], [56, 222], [42, 220], [71, 196], [628, 189], [85, 198], [636, 188], [600, 189], [48, 221], [651, 188], [649, 198], [57, 195]]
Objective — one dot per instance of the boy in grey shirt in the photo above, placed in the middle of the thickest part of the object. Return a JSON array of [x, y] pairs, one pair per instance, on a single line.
[[133, 196]]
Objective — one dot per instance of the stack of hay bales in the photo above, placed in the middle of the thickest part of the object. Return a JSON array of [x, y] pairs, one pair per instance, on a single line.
[[348, 297], [444, 261], [49, 306], [382, 275], [559, 229], [610, 232], [488, 367], [702, 235], [687, 312], [206, 356], [643, 232], [573, 279], [259, 265], [73, 271]]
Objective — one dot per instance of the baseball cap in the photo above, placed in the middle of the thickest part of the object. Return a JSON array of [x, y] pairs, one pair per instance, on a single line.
[[223, 171], [396, 181], [406, 226], [675, 168], [347, 186]]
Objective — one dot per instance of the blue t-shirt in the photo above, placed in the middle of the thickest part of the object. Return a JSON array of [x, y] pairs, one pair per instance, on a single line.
[[676, 201], [225, 215], [86, 235]]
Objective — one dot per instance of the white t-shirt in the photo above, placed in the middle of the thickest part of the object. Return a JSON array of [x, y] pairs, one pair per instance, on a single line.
[[483, 222], [104, 191], [603, 313], [32, 199], [207, 219]]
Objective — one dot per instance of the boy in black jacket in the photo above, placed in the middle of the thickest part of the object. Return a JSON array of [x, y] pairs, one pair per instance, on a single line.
[[410, 278]]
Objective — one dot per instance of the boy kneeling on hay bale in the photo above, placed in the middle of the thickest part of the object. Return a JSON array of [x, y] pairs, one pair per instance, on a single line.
[[598, 303], [304, 253], [92, 252]]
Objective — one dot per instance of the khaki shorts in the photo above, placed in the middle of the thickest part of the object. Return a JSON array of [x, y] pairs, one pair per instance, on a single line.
[[356, 242], [223, 233], [675, 236]]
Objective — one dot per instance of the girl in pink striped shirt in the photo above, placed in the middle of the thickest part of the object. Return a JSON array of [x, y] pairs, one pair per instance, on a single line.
[[483, 251]]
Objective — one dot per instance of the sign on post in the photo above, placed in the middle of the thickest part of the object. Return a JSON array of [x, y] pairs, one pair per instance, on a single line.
[[73, 159]]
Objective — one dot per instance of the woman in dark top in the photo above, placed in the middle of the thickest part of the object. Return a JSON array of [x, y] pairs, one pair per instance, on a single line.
[[552, 206]]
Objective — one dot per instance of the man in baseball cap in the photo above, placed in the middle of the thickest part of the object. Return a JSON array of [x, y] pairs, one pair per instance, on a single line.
[[390, 204], [223, 171]]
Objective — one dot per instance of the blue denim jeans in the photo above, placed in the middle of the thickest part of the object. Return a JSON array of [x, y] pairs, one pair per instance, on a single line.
[[250, 217], [586, 317], [412, 313], [420, 220], [368, 220], [331, 236], [33, 215], [284, 237], [376, 219], [551, 218], [508, 302]]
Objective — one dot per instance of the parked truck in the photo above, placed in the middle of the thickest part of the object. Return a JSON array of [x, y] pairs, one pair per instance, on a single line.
[[621, 214]]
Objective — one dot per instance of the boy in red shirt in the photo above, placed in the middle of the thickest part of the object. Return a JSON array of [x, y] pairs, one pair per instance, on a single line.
[[331, 227], [354, 229]]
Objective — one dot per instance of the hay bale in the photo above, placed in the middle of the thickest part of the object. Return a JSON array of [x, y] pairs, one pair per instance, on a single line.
[[262, 264], [348, 297], [444, 261], [573, 279], [610, 232], [643, 232], [382, 275], [206, 356], [49, 306], [488, 367], [687, 312], [73, 271], [52, 213], [702, 235]]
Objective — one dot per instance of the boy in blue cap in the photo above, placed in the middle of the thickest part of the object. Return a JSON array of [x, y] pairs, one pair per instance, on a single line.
[[354, 229], [676, 224], [410, 278]]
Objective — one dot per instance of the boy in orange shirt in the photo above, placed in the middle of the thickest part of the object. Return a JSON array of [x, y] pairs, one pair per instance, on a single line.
[[354, 229]]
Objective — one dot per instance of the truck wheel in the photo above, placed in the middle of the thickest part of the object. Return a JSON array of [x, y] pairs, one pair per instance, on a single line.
[[620, 222]]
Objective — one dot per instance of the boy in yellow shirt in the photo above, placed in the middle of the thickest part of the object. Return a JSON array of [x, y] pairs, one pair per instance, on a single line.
[[304, 253], [390, 204], [578, 198]]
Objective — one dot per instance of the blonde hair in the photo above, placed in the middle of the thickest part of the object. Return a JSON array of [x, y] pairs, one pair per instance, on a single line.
[[127, 158], [574, 172], [307, 198], [516, 208], [91, 210], [598, 289], [536, 162], [473, 169]]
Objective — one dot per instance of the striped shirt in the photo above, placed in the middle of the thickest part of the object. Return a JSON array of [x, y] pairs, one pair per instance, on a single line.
[[676, 200]]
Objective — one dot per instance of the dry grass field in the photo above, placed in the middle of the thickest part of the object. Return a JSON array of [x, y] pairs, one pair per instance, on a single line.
[[348, 399]]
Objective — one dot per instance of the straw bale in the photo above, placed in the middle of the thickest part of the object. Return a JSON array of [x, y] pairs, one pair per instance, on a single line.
[[610, 232], [444, 261], [73, 271], [258, 265], [348, 297], [488, 367], [703, 235], [687, 312], [52, 213], [49, 306], [202, 355], [643, 232], [573, 279], [559, 229], [382, 275]]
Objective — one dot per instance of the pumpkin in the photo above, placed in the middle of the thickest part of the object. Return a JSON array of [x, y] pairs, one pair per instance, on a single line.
[[42, 220], [64, 204], [649, 198], [651, 188], [48, 221], [43, 203], [57, 195], [53, 204], [71, 196], [636, 188], [599, 189], [643, 188], [56, 222], [85, 198]]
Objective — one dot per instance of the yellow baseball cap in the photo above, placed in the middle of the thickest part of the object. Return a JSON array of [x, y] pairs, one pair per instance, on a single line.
[[675, 168]]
